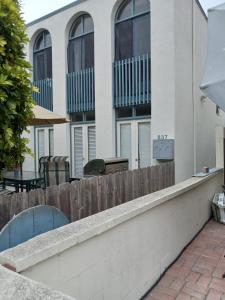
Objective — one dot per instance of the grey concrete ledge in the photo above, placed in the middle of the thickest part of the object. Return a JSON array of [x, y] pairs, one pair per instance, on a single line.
[[16, 287], [54, 242]]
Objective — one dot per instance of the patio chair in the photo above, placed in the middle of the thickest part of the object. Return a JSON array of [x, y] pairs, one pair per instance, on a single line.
[[41, 161], [56, 171], [3, 190]]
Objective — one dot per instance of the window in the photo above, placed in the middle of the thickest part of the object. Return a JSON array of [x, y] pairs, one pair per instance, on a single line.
[[134, 111], [80, 117], [43, 56], [132, 29], [81, 44]]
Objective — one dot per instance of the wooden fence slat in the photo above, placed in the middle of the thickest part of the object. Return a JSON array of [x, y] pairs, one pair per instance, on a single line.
[[52, 196], [64, 199], [86, 197], [5, 202]]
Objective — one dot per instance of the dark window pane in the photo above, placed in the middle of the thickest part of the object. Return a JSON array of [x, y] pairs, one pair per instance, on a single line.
[[77, 117], [143, 110], [75, 55], [90, 116], [124, 40], [39, 42], [88, 51], [48, 41], [125, 11], [141, 35], [77, 28], [141, 6], [125, 112], [48, 63], [88, 24], [39, 66]]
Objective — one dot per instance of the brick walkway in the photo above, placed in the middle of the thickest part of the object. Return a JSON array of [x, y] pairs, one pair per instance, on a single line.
[[198, 273]]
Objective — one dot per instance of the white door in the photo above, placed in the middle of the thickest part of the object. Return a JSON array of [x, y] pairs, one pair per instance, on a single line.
[[144, 144], [44, 139], [134, 142], [83, 147]]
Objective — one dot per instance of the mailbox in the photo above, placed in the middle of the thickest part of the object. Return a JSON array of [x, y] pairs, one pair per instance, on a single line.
[[163, 149]]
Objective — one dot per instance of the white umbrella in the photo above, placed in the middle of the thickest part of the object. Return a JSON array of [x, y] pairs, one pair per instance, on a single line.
[[43, 116], [213, 83]]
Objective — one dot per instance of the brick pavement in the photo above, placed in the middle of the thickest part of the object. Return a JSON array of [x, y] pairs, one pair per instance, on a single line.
[[198, 273]]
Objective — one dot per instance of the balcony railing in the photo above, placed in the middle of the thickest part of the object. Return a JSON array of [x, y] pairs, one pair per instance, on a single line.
[[81, 91], [44, 96], [132, 81]]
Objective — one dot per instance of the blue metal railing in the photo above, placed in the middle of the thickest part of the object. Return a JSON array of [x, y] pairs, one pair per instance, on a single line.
[[44, 96], [81, 91], [132, 81]]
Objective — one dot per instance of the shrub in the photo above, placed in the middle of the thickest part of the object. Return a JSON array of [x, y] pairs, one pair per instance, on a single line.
[[16, 101]]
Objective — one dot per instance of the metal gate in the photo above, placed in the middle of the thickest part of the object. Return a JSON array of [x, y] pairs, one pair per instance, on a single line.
[[30, 223]]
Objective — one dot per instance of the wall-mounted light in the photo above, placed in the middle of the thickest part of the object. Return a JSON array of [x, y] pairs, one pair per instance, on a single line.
[[203, 98]]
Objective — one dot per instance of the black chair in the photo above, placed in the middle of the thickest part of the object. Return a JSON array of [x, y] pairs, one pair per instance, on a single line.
[[56, 170], [3, 190]]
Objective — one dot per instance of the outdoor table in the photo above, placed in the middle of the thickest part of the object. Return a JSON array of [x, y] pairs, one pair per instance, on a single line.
[[27, 179]]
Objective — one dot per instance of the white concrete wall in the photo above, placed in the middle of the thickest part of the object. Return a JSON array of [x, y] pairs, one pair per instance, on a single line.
[[162, 68], [119, 253], [206, 119], [178, 50], [15, 286]]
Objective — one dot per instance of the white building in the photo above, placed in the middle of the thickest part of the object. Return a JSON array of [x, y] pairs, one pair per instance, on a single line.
[[126, 73]]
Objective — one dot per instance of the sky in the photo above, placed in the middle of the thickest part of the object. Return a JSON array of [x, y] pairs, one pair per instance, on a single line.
[[34, 9]]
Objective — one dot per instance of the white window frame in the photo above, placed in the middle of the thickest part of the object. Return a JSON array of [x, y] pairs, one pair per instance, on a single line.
[[134, 139], [85, 144], [46, 142]]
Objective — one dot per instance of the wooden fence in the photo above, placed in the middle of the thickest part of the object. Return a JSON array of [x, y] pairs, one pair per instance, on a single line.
[[81, 199]]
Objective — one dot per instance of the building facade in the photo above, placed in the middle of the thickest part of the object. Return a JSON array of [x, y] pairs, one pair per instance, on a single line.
[[126, 73]]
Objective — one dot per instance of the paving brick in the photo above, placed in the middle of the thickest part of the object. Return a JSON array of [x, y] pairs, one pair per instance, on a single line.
[[183, 296], [218, 273], [193, 293], [159, 295], [204, 280], [197, 288], [213, 295], [177, 284], [193, 277], [202, 270], [166, 280], [197, 274], [218, 284], [167, 291]]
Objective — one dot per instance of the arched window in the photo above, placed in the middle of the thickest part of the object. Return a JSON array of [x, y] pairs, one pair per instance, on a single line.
[[43, 56], [81, 44], [132, 29]]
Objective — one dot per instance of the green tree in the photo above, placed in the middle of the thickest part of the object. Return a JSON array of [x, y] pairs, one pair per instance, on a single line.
[[16, 101]]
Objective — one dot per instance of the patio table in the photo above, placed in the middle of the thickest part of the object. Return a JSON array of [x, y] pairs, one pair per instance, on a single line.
[[27, 179]]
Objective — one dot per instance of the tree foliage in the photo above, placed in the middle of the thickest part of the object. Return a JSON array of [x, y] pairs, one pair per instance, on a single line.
[[16, 101]]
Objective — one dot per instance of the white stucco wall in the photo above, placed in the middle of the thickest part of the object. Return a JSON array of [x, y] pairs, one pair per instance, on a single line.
[[119, 253], [206, 119], [15, 286], [178, 50]]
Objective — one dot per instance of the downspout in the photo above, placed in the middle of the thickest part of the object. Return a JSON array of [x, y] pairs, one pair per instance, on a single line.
[[193, 94]]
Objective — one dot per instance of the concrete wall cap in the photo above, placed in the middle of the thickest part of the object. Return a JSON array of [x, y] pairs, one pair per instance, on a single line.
[[54, 242], [15, 286]]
